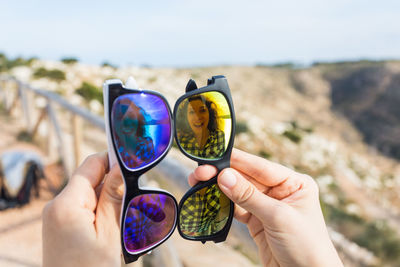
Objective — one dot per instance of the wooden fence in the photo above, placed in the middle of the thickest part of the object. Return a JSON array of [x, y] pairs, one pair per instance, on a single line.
[[15, 94]]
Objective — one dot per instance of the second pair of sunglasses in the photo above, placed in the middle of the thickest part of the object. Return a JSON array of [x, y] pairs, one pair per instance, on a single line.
[[140, 131]]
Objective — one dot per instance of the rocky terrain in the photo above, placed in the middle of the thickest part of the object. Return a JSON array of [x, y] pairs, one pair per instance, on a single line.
[[338, 122]]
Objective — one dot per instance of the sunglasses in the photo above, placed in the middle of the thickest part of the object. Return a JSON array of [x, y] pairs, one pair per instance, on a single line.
[[204, 131], [139, 129]]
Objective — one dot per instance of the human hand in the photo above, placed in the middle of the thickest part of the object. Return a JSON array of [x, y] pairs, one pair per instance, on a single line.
[[80, 227], [280, 207]]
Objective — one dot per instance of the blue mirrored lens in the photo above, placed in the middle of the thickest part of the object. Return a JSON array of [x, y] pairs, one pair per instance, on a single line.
[[149, 219], [141, 126]]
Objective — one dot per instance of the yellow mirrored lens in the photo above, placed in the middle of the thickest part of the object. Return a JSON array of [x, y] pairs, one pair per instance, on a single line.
[[204, 213], [204, 125]]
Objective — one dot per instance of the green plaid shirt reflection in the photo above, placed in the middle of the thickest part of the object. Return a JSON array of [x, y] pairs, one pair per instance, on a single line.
[[214, 147], [199, 212]]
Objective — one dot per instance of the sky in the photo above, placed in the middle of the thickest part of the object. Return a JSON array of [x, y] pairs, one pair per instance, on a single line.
[[201, 33]]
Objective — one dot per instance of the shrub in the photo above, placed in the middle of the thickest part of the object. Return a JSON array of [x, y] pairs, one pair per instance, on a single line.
[[241, 127], [3, 62], [108, 64], [380, 239], [195, 75], [293, 135], [69, 60], [24, 136], [265, 154], [90, 92], [152, 79], [376, 235], [2, 107], [7, 64], [56, 75]]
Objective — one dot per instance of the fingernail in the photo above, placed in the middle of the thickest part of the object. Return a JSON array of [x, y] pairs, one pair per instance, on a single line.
[[228, 179]]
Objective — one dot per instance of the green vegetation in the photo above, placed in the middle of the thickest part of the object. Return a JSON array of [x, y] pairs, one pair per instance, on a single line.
[[152, 79], [24, 136], [296, 131], [362, 62], [281, 65], [241, 127], [381, 239], [265, 154], [357, 170], [2, 108], [90, 92], [195, 75], [61, 91], [56, 75], [7, 64], [376, 235], [293, 135], [69, 60], [108, 64]]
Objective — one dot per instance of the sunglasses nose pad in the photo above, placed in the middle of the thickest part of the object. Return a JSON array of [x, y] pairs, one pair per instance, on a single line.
[[203, 212]]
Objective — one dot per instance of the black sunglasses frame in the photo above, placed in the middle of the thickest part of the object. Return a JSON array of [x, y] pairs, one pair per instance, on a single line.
[[215, 84], [131, 178]]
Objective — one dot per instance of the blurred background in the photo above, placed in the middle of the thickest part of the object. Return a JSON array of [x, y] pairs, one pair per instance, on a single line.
[[316, 87]]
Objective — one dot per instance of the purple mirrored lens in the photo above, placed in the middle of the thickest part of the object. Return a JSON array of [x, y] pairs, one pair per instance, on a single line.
[[148, 221], [141, 126]]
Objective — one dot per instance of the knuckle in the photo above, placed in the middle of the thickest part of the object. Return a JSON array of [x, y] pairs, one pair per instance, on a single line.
[[245, 195], [114, 189], [93, 159]]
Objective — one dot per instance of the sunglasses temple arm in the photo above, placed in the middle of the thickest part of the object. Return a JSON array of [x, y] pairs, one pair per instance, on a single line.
[[111, 152]]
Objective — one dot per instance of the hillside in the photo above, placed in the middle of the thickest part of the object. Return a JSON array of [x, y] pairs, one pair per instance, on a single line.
[[369, 96], [336, 122]]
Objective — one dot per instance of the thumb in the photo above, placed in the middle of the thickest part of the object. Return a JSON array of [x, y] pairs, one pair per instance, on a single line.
[[110, 201], [246, 195]]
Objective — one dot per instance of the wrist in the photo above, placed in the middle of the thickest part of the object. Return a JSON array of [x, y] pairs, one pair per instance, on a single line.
[[326, 258]]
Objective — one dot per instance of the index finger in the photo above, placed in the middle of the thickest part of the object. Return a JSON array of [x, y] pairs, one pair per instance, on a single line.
[[93, 169], [80, 188], [262, 170]]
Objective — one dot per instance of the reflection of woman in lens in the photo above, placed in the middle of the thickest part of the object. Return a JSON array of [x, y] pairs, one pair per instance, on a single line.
[[205, 212], [134, 147], [147, 219], [200, 135]]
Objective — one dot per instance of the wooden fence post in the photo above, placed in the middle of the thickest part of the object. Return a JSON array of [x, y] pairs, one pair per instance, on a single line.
[[40, 119], [60, 144], [77, 136], [25, 107], [14, 102]]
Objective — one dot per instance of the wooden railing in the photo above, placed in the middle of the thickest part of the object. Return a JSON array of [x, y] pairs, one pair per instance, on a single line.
[[23, 95], [15, 94]]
